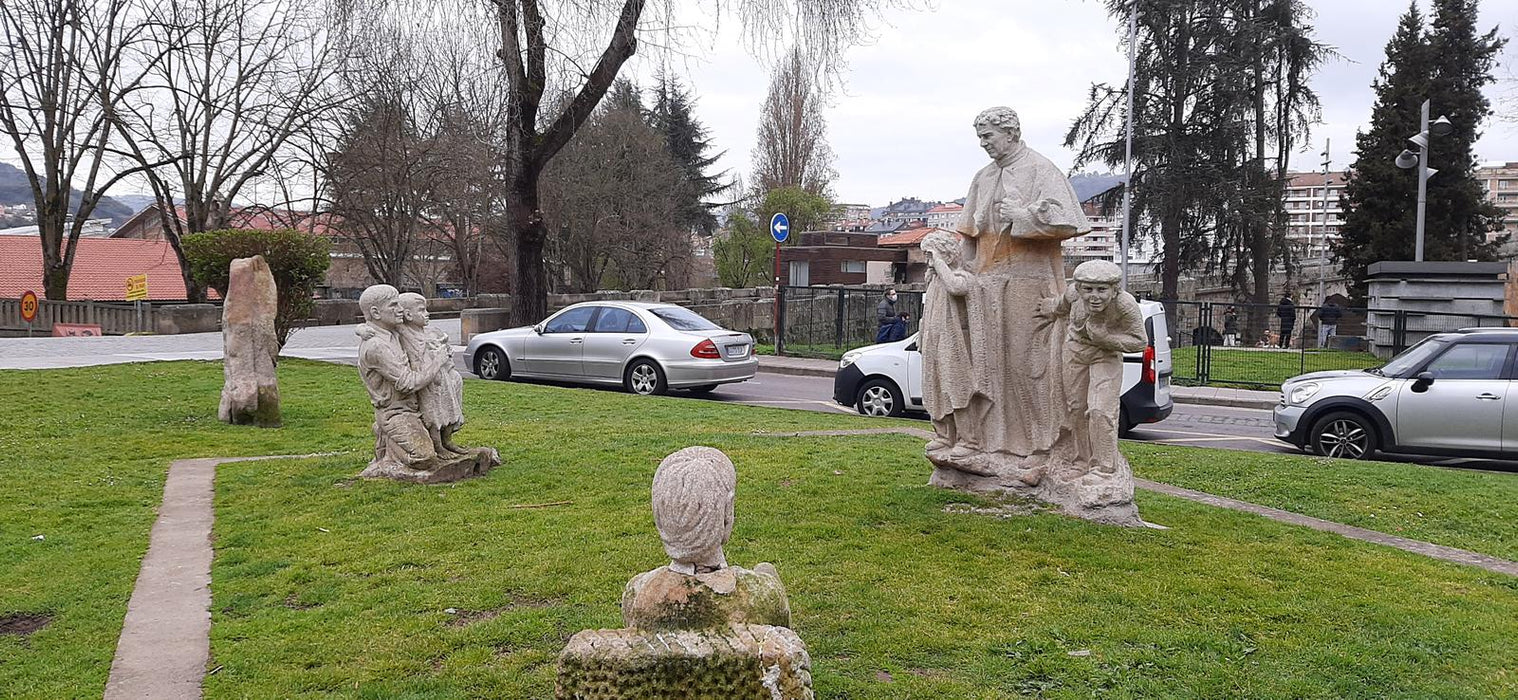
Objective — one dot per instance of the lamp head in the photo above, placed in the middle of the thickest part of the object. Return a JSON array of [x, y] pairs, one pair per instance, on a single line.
[[1441, 126], [1407, 159], [1421, 139]]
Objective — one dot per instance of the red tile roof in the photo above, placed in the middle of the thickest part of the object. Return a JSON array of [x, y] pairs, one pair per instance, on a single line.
[[909, 237], [101, 267], [946, 208]]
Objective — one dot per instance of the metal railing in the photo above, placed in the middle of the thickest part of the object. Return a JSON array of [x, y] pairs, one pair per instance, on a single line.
[[1268, 346], [825, 321]]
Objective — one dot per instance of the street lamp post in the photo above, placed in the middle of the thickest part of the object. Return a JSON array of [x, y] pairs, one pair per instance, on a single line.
[[1419, 159]]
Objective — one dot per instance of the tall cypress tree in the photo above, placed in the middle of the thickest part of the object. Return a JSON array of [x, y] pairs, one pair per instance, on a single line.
[[688, 143], [1448, 67]]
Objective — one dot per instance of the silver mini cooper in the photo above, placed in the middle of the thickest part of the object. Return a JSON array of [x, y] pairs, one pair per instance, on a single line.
[[1443, 396]]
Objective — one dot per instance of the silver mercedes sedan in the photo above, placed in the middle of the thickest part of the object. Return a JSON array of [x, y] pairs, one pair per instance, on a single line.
[[648, 348]]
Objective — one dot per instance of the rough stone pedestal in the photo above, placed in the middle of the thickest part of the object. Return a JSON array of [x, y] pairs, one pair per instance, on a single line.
[[474, 462], [250, 391], [1100, 499], [758, 662]]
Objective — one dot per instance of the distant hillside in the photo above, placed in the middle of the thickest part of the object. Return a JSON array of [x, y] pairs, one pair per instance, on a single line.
[[1088, 185], [14, 189], [135, 202]]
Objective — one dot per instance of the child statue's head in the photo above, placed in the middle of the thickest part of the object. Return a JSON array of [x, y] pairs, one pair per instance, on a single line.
[[693, 507]]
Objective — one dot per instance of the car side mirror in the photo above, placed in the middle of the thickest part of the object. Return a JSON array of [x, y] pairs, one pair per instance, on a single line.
[[538, 329], [1422, 381]]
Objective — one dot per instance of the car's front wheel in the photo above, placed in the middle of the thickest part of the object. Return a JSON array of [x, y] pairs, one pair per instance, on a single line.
[[1344, 434], [880, 397], [644, 377], [491, 363]]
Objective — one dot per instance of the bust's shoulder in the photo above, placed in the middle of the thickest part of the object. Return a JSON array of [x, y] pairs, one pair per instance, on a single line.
[[665, 599]]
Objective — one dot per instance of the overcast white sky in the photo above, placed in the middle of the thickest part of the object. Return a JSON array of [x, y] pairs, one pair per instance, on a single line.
[[901, 127]]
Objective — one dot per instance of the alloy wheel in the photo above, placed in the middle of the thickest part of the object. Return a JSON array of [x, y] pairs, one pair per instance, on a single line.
[[644, 379], [1344, 438]]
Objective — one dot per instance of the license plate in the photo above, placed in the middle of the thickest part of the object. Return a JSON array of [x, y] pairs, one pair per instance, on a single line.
[[737, 350]]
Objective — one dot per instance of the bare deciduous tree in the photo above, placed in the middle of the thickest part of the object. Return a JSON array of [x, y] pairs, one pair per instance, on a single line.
[[240, 78], [577, 47], [792, 149], [62, 74]]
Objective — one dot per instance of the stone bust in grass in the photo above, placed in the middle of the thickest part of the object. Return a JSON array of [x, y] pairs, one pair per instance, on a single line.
[[693, 494]]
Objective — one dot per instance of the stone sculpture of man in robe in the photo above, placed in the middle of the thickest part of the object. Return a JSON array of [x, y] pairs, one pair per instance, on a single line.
[[1019, 207]]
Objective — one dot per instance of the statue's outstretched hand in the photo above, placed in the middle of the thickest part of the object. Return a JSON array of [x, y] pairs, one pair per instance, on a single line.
[[1048, 307]]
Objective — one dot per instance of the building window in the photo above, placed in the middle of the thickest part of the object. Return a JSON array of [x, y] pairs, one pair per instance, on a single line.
[[853, 266]]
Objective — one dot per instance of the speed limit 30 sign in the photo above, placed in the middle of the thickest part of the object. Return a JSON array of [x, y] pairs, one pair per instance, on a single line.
[[29, 306]]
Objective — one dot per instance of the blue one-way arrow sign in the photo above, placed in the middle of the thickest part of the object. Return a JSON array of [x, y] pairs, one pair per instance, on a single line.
[[780, 227]]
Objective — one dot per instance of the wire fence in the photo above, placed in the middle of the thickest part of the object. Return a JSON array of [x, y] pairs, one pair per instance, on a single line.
[[825, 321], [1262, 345]]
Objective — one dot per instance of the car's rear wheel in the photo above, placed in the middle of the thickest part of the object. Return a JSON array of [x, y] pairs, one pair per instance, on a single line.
[[880, 397], [1344, 434], [491, 363], [1124, 424], [644, 377]]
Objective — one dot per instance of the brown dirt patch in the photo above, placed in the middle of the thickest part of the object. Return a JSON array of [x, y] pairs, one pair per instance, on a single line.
[[23, 624]]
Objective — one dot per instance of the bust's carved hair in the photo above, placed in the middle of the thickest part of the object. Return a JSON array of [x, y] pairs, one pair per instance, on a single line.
[[376, 295], [693, 502], [1004, 118]]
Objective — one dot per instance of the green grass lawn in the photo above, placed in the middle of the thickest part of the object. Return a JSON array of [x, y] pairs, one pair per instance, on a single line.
[[325, 586], [824, 352], [1264, 368]]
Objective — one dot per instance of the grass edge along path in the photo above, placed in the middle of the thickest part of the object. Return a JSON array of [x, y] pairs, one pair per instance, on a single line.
[[1427, 549]]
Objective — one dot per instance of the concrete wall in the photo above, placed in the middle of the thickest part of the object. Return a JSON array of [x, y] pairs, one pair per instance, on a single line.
[[1433, 297]]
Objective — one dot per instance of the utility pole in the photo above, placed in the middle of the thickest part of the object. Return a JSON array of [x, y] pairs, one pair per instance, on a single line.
[[1124, 233], [1323, 233]]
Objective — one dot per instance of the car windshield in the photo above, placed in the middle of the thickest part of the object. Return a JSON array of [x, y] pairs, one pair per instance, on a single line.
[[1412, 358], [683, 319]]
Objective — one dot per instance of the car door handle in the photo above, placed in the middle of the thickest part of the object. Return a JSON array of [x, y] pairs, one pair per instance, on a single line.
[[1488, 397], [629, 341], [576, 341]]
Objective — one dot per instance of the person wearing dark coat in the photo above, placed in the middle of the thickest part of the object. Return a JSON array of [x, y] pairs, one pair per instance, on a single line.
[[890, 326], [1286, 310]]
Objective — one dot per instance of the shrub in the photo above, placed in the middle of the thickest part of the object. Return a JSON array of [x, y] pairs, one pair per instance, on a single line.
[[298, 261]]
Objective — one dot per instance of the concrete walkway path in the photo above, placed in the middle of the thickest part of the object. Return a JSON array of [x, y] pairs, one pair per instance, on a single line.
[[166, 638], [1427, 549]]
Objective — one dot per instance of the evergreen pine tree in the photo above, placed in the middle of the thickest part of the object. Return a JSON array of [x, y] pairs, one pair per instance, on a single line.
[[688, 144], [1448, 66], [1457, 204], [1380, 199]]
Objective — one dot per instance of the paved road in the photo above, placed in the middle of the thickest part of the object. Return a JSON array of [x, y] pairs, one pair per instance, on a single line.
[[1189, 424]]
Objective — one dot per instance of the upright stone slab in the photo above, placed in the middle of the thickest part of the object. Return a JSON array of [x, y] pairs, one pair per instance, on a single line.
[[695, 628], [250, 388]]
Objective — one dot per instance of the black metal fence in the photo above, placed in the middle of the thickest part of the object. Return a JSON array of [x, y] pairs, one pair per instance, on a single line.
[[1262, 345], [825, 321]]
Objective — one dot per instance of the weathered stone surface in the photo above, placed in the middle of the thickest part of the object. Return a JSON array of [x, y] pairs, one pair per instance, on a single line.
[[1021, 374], [743, 661], [250, 388], [696, 628], [665, 600], [399, 365]]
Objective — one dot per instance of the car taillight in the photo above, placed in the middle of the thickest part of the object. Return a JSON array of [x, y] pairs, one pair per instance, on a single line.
[[706, 349], [1148, 376]]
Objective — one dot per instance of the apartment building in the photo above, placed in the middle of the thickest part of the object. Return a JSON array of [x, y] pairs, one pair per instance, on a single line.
[[1500, 180], [1313, 216]]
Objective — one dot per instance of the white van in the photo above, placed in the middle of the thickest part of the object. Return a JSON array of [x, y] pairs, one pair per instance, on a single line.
[[886, 379]]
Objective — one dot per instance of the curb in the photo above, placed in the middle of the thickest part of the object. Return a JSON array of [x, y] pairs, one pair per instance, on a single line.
[[1263, 404], [796, 371]]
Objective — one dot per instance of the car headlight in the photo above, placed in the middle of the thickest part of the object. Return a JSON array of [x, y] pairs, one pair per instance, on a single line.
[[848, 359], [1301, 393]]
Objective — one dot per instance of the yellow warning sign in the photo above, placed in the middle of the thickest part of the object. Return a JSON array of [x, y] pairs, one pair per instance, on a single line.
[[137, 288]]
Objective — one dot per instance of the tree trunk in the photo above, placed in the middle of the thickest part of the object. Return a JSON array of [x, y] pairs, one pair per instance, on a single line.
[[530, 302]]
